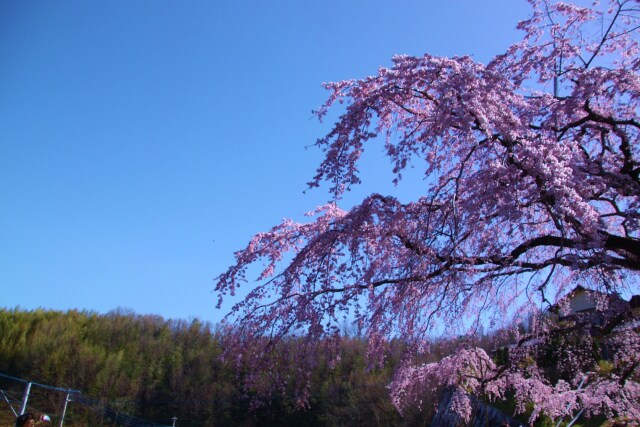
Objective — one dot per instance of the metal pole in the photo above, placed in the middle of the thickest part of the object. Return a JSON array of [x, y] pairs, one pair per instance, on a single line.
[[64, 409], [575, 418], [579, 413], [25, 398], [174, 421], [9, 403]]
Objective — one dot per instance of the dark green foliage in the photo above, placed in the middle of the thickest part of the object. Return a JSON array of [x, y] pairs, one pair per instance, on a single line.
[[155, 369]]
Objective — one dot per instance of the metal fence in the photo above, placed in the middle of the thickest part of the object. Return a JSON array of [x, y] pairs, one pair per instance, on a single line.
[[56, 408]]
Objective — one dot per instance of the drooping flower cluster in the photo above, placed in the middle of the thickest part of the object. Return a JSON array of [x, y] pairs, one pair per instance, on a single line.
[[533, 168], [466, 372], [610, 388]]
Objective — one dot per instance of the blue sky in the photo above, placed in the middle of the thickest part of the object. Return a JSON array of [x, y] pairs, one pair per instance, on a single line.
[[143, 142]]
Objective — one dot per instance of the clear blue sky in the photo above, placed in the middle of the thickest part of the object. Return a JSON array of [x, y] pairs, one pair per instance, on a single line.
[[143, 142]]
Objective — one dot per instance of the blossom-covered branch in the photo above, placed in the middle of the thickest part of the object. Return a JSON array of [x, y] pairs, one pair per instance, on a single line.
[[533, 173]]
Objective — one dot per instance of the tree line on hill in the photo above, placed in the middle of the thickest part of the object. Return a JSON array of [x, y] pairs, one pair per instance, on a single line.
[[157, 369], [130, 367]]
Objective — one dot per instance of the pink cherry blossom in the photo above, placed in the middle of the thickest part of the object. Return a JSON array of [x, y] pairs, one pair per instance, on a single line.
[[532, 165]]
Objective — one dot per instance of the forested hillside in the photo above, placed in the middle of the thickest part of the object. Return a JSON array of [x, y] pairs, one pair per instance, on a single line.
[[143, 370], [156, 369]]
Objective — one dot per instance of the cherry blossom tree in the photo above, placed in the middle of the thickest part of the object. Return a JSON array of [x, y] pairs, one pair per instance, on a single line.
[[531, 184]]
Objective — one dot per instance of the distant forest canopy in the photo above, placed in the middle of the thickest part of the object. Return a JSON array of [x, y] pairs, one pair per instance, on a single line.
[[155, 369]]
